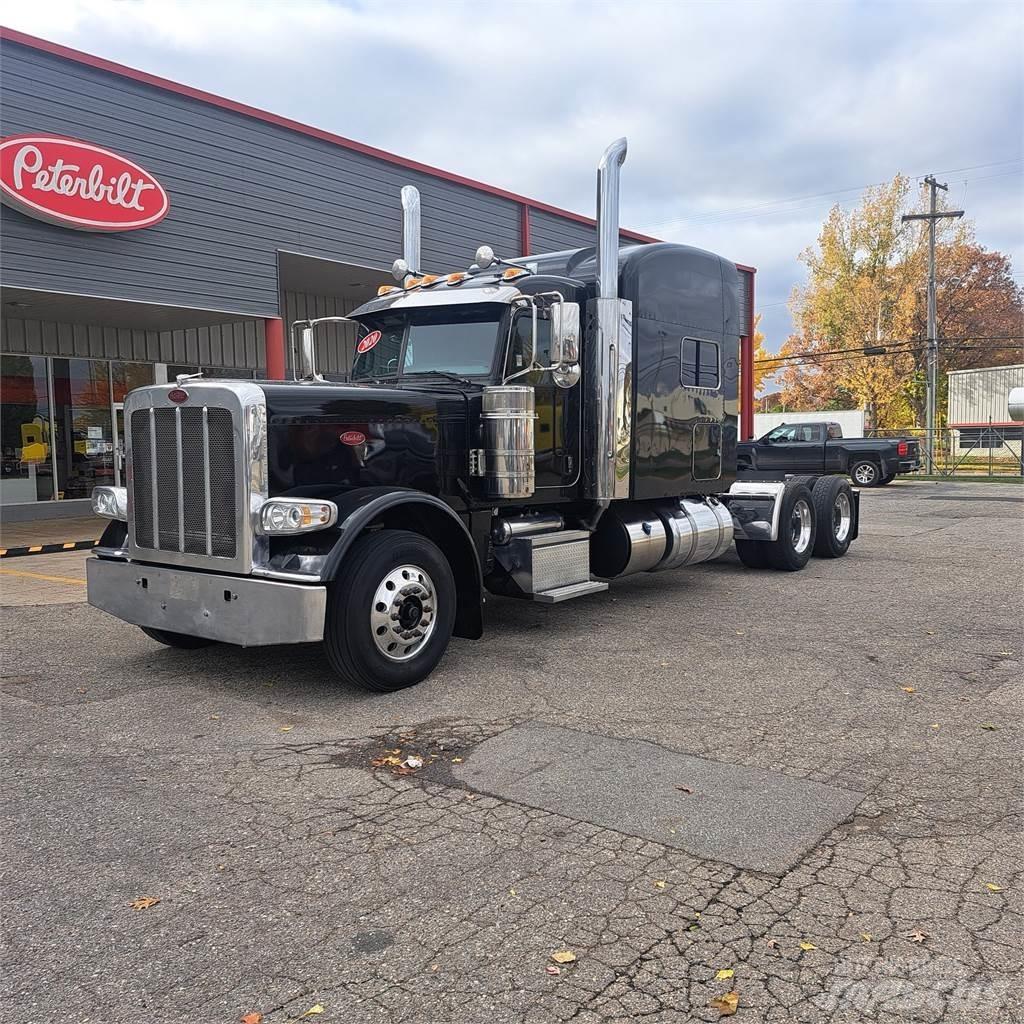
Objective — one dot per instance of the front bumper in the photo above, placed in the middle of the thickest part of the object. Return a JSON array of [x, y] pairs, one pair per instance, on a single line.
[[234, 609]]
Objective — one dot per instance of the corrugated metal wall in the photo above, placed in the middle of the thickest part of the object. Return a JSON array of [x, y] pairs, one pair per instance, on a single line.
[[240, 189], [237, 345], [978, 396], [549, 233]]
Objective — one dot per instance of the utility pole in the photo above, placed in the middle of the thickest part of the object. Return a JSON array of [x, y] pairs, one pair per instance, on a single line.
[[932, 363]]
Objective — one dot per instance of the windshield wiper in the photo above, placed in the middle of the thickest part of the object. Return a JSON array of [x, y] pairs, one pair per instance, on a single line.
[[439, 373]]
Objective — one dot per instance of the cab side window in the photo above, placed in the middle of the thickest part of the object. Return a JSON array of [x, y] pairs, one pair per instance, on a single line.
[[699, 364], [519, 345]]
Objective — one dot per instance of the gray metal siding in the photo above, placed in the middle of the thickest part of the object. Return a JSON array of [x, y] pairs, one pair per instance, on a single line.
[[335, 343], [237, 345], [240, 189], [549, 233], [982, 395]]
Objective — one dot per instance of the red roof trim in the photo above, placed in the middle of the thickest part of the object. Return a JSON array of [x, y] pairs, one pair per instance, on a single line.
[[35, 43]]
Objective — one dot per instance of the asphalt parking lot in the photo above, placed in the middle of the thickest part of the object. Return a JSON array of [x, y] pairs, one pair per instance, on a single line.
[[811, 781]]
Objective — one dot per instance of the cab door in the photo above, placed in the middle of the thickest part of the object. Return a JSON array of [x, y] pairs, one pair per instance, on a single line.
[[557, 427]]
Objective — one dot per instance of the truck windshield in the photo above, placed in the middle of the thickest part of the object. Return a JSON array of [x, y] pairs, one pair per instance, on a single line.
[[454, 340]]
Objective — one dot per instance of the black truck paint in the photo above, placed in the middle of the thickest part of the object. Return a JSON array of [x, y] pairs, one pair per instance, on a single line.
[[819, 447]]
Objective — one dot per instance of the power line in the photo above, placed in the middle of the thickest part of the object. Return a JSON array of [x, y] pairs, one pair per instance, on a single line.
[[994, 341]]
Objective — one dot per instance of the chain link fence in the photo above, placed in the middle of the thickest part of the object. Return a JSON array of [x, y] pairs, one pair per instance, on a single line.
[[992, 450]]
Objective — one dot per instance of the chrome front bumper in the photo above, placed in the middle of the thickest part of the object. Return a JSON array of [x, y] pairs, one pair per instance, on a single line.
[[234, 609]]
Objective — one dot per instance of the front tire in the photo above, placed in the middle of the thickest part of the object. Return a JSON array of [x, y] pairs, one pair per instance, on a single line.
[[866, 473], [390, 615], [834, 512], [792, 551], [182, 641]]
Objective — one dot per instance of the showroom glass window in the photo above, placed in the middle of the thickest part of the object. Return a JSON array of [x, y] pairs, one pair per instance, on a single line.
[[85, 439], [27, 469]]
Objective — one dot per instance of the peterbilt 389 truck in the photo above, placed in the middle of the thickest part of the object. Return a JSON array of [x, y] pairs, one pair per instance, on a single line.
[[534, 428]]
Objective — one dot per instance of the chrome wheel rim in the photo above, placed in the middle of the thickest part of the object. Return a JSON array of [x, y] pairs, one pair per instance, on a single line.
[[865, 474], [404, 613], [842, 517], [800, 526]]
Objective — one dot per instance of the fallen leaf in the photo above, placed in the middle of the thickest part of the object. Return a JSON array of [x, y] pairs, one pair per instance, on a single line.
[[659, 884], [1006, 654], [908, 689], [216, 718], [694, 928], [807, 945], [563, 956], [988, 727], [866, 936], [252, 1018], [726, 1005], [930, 632], [739, 632], [664, 664], [935, 725], [684, 789], [771, 943], [725, 972], [456, 760], [312, 1011], [81, 689], [144, 902], [512, 892], [552, 969], [286, 728], [992, 887], [916, 935]]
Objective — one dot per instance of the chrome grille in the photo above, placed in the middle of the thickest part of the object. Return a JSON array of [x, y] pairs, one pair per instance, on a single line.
[[184, 480]]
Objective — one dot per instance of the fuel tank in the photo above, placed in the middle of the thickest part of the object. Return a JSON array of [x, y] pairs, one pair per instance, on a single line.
[[325, 438]]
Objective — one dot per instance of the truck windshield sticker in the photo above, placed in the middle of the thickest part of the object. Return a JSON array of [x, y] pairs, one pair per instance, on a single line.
[[368, 342]]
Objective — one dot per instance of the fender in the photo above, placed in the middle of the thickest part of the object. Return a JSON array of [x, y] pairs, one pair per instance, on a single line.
[[409, 509]]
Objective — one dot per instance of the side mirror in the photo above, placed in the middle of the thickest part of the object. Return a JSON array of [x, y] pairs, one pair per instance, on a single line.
[[565, 333]]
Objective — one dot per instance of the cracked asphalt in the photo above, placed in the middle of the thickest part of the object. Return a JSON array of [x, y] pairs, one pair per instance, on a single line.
[[239, 789]]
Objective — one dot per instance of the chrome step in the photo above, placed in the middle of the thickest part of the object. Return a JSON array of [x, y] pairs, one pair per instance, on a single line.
[[571, 591]]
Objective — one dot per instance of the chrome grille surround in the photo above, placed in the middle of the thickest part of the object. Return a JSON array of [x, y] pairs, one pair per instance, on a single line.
[[197, 475]]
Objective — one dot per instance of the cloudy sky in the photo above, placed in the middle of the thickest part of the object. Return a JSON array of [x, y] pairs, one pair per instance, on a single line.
[[746, 120]]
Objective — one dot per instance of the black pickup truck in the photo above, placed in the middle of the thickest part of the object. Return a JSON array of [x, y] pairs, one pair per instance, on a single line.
[[821, 448]]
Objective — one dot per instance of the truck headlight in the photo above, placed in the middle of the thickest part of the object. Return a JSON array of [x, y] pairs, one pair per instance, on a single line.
[[110, 502], [296, 515]]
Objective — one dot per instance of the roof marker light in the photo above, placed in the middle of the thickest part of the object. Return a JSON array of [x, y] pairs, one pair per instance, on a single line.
[[386, 289], [428, 279], [512, 273], [452, 279]]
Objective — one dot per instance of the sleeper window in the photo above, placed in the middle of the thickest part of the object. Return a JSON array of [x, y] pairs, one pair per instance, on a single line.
[[698, 364]]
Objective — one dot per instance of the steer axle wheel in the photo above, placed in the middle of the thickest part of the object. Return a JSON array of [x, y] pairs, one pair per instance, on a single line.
[[834, 509], [390, 615]]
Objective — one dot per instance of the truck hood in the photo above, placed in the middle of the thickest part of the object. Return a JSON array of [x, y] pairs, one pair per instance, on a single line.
[[326, 439]]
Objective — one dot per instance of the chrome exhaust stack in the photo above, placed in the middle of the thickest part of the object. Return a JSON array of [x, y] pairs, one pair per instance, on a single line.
[[411, 228], [610, 356]]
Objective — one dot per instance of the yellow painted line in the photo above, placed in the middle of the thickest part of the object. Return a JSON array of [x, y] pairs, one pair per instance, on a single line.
[[70, 544], [40, 576], [37, 547]]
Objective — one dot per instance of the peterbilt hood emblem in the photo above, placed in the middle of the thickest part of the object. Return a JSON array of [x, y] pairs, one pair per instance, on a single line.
[[352, 437]]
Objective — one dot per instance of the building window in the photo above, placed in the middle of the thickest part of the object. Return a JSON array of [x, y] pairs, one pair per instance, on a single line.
[[26, 473], [988, 437], [699, 364], [84, 441]]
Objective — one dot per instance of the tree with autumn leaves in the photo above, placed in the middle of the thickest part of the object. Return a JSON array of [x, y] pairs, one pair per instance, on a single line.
[[866, 287]]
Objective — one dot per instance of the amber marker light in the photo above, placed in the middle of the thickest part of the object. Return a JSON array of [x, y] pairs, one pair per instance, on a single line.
[[456, 278]]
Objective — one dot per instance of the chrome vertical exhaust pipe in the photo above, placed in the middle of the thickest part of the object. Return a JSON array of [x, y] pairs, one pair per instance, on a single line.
[[411, 230], [610, 357], [608, 173]]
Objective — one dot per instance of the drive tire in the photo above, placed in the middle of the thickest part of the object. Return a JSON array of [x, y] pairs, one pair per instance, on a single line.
[[360, 604], [182, 641], [753, 553], [795, 544], [866, 473], [834, 513]]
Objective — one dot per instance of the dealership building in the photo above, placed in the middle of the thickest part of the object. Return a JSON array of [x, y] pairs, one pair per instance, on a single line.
[[151, 229]]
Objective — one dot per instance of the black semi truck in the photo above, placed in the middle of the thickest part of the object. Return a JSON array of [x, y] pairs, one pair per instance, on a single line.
[[533, 428]]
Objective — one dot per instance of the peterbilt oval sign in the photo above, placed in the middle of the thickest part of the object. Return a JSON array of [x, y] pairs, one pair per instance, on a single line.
[[78, 185], [352, 437]]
